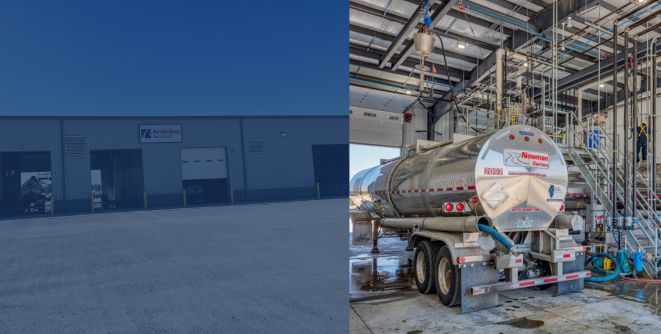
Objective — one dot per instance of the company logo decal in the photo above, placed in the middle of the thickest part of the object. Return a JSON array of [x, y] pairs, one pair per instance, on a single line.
[[526, 159], [160, 133]]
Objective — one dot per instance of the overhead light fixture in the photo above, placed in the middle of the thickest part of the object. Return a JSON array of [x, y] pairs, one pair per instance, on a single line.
[[461, 45], [408, 92], [601, 85], [569, 25], [642, 1], [525, 64]]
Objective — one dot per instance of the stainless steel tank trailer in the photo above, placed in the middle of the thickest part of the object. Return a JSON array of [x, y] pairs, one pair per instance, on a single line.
[[473, 209]]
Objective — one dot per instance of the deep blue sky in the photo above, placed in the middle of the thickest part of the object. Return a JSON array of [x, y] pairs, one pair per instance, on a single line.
[[97, 57]]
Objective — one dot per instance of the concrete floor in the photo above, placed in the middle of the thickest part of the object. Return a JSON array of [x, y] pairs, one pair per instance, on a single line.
[[384, 300], [233, 269]]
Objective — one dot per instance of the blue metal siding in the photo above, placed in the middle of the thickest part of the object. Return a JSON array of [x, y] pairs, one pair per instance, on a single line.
[[284, 170]]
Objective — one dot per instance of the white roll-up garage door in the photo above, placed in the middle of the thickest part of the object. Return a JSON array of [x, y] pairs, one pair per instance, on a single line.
[[203, 163]]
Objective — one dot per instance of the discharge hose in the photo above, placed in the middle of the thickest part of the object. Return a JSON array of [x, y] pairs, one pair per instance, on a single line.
[[497, 235], [606, 278]]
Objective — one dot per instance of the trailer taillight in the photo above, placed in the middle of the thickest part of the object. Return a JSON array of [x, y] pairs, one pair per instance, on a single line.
[[460, 207], [449, 207], [474, 199]]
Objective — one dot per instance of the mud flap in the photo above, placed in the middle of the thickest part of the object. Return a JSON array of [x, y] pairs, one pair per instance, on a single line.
[[477, 274], [570, 267]]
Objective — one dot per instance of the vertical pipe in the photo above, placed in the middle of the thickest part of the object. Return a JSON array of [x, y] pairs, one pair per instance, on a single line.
[[543, 105], [625, 131], [499, 85], [579, 105], [634, 126], [653, 132], [519, 91], [422, 75], [614, 131], [653, 123]]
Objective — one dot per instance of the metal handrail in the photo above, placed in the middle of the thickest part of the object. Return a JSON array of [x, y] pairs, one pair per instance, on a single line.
[[602, 161]]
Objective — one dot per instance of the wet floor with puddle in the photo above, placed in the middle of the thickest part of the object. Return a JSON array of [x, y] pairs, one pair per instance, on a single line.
[[390, 274], [385, 274], [642, 292]]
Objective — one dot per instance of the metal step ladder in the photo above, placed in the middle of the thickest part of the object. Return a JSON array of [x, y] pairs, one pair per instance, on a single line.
[[595, 163]]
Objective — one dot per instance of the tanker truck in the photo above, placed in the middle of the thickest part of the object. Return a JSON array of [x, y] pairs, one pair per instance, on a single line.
[[481, 216]]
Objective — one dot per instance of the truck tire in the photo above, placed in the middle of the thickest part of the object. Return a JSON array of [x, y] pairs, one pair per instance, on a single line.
[[447, 278], [423, 264]]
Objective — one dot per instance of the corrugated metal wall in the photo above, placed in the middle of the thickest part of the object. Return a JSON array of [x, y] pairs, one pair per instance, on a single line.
[[268, 173]]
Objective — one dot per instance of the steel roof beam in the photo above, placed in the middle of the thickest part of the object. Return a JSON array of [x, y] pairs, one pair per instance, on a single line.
[[436, 16], [543, 20], [390, 38], [491, 45], [511, 6], [371, 66], [584, 76], [513, 22], [470, 17], [375, 54], [410, 26]]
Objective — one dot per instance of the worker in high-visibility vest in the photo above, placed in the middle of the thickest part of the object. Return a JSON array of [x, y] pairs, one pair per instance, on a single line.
[[641, 142]]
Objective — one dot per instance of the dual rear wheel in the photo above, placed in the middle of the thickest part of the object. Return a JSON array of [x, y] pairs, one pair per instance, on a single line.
[[434, 272]]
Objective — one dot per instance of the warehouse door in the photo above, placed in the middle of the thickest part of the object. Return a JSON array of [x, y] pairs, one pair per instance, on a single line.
[[331, 169], [25, 182], [204, 175], [117, 179]]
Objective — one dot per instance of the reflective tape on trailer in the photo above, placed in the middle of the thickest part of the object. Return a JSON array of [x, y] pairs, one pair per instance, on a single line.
[[427, 190], [496, 287], [577, 196]]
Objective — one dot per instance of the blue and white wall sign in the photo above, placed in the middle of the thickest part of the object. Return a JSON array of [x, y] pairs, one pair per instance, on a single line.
[[160, 133]]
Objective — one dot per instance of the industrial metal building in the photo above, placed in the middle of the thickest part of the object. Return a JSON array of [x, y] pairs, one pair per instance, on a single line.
[[452, 85], [83, 164]]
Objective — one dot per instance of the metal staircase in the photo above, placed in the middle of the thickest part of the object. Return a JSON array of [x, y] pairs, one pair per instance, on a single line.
[[595, 164]]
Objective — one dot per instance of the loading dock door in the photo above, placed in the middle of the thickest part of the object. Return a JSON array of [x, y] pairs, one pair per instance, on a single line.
[[117, 179], [204, 175], [25, 182]]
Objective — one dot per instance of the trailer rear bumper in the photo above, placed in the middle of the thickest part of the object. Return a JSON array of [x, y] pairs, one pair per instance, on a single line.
[[504, 286]]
